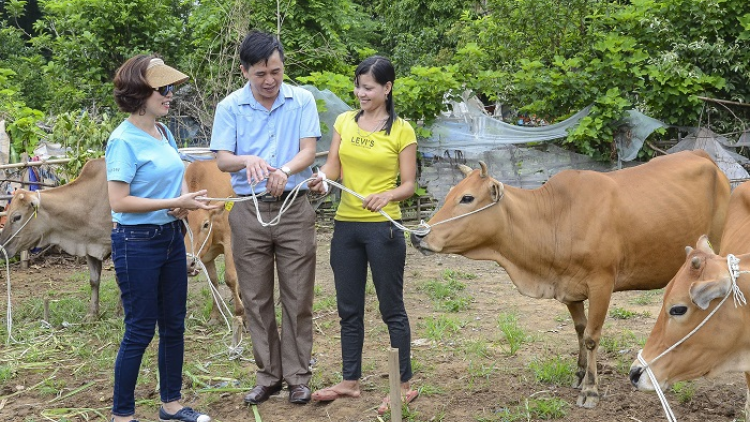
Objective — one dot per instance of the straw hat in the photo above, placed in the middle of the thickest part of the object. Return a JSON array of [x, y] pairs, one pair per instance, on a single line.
[[159, 74]]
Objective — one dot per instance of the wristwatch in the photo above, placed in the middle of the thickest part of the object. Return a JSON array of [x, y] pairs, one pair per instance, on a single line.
[[286, 170]]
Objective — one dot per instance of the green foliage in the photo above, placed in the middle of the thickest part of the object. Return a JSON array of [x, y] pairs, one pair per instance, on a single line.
[[85, 134], [422, 95], [341, 85], [89, 39]]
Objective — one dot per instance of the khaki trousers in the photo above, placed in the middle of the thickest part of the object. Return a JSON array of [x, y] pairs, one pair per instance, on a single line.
[[289, 247]]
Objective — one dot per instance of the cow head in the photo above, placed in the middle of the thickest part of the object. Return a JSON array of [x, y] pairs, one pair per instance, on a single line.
[[468, 226], [717, 347], [21, 231], [203, 226]]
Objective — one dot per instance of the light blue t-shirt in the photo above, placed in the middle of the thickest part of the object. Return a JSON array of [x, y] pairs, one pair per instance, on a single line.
[[151, 167], [244, 127]]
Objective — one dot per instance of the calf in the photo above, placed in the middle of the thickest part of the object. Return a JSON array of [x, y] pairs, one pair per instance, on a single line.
[[703, 283], [211, 235]]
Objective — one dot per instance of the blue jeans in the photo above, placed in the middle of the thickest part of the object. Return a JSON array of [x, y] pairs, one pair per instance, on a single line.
[[383, 246], [151, 271]]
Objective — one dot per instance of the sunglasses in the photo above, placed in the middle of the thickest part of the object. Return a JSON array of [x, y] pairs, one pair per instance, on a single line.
[[164, 90]]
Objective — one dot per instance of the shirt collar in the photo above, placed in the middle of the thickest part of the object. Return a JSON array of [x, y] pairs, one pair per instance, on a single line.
[[247, 98]]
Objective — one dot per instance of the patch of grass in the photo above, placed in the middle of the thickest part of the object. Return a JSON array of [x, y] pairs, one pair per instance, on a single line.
[[617, 344], [441, 328], [532, 409], [514, 334], [648, 297], [446, 293], [478, 348], [622, 313], [685, 391], [555, 371], [324, 304]]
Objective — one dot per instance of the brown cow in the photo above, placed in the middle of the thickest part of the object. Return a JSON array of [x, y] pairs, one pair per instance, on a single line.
[[210, 228], [722, 344], [584, 235], [75, 216]]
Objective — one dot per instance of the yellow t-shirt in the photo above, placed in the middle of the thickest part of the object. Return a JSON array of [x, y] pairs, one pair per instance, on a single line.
[[369, 164]]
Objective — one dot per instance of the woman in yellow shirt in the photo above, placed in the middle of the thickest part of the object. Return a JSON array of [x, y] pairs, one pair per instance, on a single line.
[[371, 147]]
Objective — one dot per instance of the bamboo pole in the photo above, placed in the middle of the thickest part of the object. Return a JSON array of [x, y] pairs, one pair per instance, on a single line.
[[394, 375], [34, 163]]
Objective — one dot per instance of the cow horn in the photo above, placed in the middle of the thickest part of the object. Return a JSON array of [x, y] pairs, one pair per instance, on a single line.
[[464, 169], [695, 263], [483, 173]]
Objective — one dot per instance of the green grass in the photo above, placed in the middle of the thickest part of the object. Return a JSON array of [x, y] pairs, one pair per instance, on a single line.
[[648, 297], [447, 294], [515, 336], [441, 328], [555, 371]]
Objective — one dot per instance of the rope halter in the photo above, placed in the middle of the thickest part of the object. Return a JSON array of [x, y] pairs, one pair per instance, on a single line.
[[733, 265]]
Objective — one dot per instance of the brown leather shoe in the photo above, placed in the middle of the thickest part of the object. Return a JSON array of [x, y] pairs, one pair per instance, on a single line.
[[299, 394], [261, 393]]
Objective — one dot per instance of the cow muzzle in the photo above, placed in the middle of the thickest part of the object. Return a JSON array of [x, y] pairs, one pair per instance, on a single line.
[[418, 242]]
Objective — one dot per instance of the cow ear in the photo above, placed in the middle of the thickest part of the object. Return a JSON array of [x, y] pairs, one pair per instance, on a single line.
[[464, 169], [704, 292], [34, 201], [704, 245], [497, 190], [483, 173]]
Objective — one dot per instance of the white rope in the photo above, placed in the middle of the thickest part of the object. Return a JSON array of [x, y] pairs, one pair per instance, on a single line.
[[234, 351], [739, 298], [422, 229], [9, 314]]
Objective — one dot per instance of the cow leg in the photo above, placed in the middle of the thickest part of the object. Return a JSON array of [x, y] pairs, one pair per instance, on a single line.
[[598, 306], [95, 275], [579, 322], [230, 278], [215, 316]]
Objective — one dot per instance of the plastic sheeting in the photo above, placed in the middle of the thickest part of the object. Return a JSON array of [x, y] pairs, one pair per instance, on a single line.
[[469, 128], [728, 161]]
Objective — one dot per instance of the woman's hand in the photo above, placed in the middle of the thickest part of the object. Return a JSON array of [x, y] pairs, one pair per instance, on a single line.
[[194, 201], [377, 201], [319, 184]]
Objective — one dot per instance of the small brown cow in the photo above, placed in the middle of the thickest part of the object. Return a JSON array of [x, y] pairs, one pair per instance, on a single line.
[[722, 344], [585, 234], [211, 235], [75, 216]]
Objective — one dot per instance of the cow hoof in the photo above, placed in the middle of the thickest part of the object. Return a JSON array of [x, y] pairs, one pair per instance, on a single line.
[[588, 399]]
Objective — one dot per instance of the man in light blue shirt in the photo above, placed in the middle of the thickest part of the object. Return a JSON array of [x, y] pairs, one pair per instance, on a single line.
[[265, 134]]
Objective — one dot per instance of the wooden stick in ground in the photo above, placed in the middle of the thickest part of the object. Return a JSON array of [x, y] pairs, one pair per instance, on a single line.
[[394, 375]]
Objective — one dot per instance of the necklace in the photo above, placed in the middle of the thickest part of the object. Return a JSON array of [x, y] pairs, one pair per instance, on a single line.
[[378, 127]]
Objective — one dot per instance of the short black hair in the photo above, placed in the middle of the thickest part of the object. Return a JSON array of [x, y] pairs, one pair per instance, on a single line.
[[258, 47]]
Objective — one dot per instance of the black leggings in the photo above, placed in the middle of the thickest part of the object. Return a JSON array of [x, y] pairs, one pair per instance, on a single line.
[[384, 247]]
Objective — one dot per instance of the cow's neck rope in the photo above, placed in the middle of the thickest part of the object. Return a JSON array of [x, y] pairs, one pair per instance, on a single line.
[[733, 265], [235, 349], [9, 314], [421, 230]]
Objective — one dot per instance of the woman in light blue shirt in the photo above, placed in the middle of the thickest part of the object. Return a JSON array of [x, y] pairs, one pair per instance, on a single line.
[[149, 198]]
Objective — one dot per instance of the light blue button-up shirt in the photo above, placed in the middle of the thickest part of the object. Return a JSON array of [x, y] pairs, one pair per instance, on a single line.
[[243, 126]]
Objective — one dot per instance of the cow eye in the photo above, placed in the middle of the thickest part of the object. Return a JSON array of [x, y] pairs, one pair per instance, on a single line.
[[678, 310], [16, 218], [205, 225], [467, 199]]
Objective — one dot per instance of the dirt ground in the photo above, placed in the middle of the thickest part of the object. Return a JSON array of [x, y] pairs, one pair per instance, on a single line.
[[457, 384]]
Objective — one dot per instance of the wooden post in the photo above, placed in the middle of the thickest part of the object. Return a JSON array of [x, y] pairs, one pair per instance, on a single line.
[[394, 375], [24, 260]]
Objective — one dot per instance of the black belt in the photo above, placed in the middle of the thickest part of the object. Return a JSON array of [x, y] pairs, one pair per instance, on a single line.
[[269, 198]]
